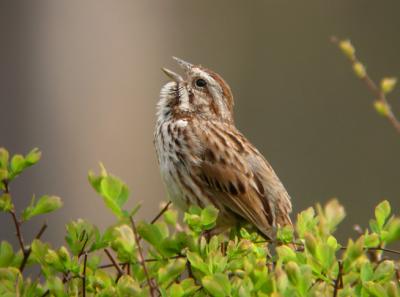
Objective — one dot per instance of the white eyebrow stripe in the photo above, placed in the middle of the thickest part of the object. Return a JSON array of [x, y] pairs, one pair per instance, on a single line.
[[214, 88]]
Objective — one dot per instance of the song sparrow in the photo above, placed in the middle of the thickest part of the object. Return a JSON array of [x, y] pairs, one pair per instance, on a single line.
[[204, 159]]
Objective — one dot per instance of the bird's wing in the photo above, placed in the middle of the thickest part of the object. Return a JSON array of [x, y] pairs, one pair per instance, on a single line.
[[236, 174]]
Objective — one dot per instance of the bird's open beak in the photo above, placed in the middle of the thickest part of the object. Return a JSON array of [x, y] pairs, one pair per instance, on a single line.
[[183, 64], [175, 77]]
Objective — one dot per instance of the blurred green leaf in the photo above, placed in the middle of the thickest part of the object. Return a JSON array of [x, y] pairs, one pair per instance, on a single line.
[[19, 163], [209, 217], [382, 213], [33, 157], [82, 235], [45, 204], [127, 286], [218, 285], [392, 232], [4, 156], [6, 202], [114, 192], [170, 272], [6, 254], [124, 243]]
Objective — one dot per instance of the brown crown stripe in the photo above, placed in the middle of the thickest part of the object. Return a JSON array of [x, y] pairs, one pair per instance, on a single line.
[[226, 90]]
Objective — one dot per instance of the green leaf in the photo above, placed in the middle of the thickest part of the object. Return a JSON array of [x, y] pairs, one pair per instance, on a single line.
[[375, 289], [189, 286], [306, 221], [127, 286], [388, 84], [197, 262], [209, 217], [382, 213], [17, 164], [38, 252], [52, 259], [371, 240], [326, 255], [286, 254], [4, 156], [293, 272], [45, 204], [6, 254], [392, 232], [366, 272], [6, 202], [193, 221], [218, 285], [171, 217], [151, 233], [285, 234], [56, 286], [124, 243], [33, 157], [176, 290], [333, 214], [385, 271], [81, 234], [3, 174], [170, 272], [114, 192]]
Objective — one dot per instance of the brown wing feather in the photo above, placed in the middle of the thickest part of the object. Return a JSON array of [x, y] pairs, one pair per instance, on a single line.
[[236, 174]]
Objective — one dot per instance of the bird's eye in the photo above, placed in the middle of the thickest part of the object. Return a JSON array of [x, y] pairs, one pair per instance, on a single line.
[[200, 83]]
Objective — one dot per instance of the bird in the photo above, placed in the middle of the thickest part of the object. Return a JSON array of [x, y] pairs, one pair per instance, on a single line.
[[204, 159]]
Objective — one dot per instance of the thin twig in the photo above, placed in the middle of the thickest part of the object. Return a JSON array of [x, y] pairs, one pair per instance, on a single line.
[[84, 276], [18, 228], [384, 250], [162, 211], [84, 245], [338, 280], [141, 258], [373, 88], [146, 260], [115, 264], [28, 252]]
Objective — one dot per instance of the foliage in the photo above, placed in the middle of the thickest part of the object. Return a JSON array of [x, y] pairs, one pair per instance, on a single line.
[[167, 258], [379, 91]]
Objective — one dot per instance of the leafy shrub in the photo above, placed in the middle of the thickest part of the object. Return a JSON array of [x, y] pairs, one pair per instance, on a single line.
[[167, 258]]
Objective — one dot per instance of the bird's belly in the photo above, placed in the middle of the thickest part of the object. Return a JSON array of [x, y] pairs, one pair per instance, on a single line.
[[175, 191], [172, 167]]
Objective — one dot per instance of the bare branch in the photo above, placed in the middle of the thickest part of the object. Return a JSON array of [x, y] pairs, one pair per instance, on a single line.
[[141, 259], [28, 252], [84, 276], [339, 279], [18, 228], [115, 264], [162, 211]]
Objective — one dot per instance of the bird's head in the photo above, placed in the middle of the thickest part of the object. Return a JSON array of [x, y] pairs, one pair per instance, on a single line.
[[200, 92]]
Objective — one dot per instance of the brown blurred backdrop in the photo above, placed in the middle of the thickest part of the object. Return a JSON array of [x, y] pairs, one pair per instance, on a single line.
[[80, 80]]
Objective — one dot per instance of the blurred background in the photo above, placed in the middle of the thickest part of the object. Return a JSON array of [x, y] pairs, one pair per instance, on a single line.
[[80, 80]]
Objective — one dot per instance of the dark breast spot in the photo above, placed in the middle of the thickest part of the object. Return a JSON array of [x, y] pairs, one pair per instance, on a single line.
[[232, 189], [259, 185], [209, 156], [177, 142], [222, 160], [241, 187]]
